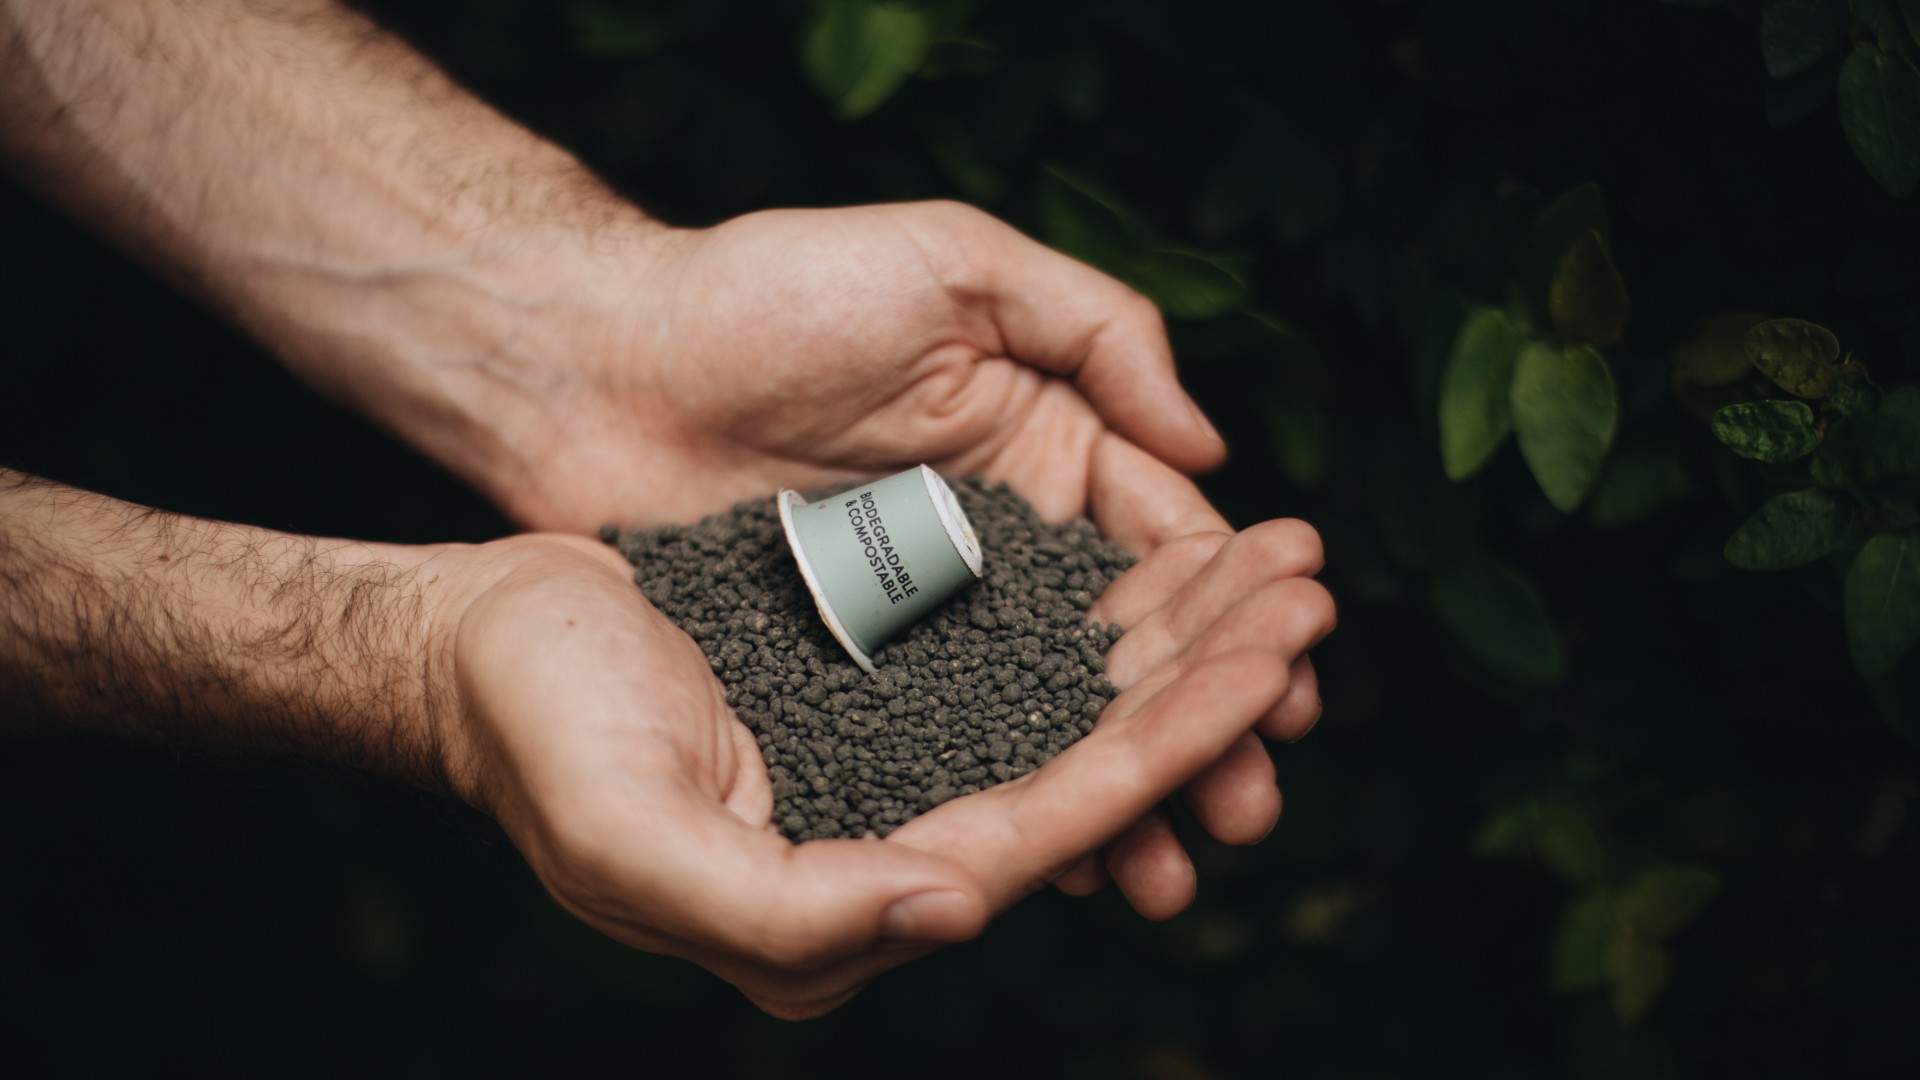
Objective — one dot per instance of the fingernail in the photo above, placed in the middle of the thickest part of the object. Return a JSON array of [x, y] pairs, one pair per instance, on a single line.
[[929, 916]]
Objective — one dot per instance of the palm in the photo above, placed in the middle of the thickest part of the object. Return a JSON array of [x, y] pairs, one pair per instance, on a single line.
[[570, 670]]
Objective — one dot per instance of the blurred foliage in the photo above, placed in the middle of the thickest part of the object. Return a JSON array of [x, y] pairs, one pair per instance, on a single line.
[[1618, 773]]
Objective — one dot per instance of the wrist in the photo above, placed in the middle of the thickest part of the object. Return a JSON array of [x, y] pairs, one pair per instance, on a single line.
[[117, 617], [495, 360]]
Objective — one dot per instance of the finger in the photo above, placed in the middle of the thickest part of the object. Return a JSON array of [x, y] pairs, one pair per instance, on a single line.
[[1016, 836], [1083, 878], [1155, 579], [1064, 317], [710, 879], [1152, 869], [1130, 598], [1270, 551], [1139, 502], [1299, 711], [1237, 799]]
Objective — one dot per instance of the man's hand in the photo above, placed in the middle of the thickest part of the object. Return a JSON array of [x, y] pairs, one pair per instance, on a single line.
[[595, 732], [532, 678], [807, 347], [407, 249]]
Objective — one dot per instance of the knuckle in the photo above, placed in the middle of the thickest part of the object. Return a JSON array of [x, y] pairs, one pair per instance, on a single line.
[[1140, 308]]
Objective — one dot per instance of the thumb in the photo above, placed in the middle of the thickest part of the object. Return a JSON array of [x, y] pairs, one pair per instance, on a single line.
[[748, 892], [1064, 317]]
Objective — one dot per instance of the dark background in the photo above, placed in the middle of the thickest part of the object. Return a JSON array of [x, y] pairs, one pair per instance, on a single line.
[[1465, 871]]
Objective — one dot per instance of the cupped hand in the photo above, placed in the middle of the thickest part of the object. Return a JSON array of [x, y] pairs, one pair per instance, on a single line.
[[595, 732], [803, 347], [799, 348]]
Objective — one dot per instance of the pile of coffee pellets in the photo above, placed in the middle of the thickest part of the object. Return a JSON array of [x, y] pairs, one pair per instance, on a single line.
[[1008, 673]]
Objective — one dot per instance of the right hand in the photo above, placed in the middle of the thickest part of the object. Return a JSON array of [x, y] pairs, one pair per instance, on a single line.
[[594, 731]]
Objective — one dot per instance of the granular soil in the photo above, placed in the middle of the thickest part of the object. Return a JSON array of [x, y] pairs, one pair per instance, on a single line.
[[1006, 674]]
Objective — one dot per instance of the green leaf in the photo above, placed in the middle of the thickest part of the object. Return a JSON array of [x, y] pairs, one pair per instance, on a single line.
[[858, 52], [1853, 393], [1565, 412], [1586, 300], [1876, 448], [1910, 12], [1497, 618], [1567, 843], [1556, 830], [1475, 417], [1555, 230], [1579, 944], [1802, 358], [1883, 602], [1795, 34], [1637, 970], [1769, 431], [1894, 434], [1083, 220], [1880, 112], [1637, 484], [1787, 531], [1186, 284], [1664, 899]]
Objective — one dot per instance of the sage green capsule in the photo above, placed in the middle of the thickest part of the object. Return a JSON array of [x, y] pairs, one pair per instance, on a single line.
[[881, 556]]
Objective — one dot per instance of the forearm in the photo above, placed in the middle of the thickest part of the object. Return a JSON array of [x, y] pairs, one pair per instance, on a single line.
[[119, 617], [385, 232]]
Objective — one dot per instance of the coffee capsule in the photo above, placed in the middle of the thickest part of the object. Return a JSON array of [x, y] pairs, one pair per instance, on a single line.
[[881, 556]]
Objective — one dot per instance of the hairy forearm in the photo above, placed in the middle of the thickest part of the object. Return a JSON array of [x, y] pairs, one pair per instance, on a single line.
[[118, 617], [385, 232]]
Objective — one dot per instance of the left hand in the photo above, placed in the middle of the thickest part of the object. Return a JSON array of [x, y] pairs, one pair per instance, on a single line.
[[801, 348]]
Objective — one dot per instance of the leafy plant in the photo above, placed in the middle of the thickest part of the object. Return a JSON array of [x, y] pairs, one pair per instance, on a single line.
[[1862, 450], [1878, 85], [1081, 219], [1549, 386], [1614, 929], [858, 52]]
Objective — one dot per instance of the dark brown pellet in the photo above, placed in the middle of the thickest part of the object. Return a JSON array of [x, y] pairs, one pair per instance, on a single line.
[[1004, 676]]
